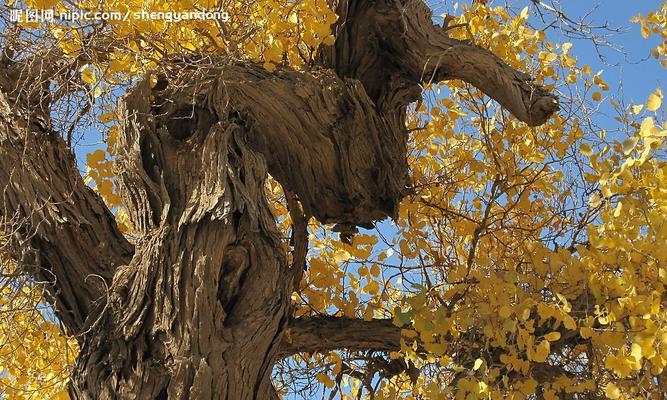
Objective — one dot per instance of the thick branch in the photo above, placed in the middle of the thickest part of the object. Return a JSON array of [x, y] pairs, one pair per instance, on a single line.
[[437, 57], [391, 44], [59, 229], [322, 334], [322, 137]]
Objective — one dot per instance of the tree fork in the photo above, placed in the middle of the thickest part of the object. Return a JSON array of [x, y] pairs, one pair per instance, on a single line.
[[392, 47]]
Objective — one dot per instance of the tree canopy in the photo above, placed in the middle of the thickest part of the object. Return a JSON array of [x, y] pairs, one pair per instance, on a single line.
[[521, 253]]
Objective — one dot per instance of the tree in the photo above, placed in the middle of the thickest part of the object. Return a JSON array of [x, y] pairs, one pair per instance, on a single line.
[[197, 257]]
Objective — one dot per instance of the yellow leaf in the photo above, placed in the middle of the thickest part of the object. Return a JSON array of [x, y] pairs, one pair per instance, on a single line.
[[504, 311], [629, 144], [648, 128], [566, 47], [551, 395], [542, 351], [105, 118], [329, 40], [552, 336], [373, 287], [569, 322], [152, 80], [341, 256], [654, 101], [636, 351], [586, 149], [87, 75], [105, 188], [339, 364], [62, 395], [269, 66], [95, 157], [586, 332], [612, 391], [325, 380]]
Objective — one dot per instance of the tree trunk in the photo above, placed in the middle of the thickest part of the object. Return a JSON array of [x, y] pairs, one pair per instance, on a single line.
[[200, 310]]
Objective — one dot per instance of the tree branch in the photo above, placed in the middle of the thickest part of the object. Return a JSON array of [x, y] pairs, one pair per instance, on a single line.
[[392, 46], [322, 334], [324, 140], [60, 230]]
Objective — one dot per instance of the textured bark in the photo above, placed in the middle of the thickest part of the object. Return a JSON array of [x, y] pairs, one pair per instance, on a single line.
[[59, 229], [199, 308], [191, 164], [324, 139], [323, 334], [392, 46]]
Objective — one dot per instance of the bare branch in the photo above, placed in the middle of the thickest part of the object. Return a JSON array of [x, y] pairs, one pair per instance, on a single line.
[[321, 334]]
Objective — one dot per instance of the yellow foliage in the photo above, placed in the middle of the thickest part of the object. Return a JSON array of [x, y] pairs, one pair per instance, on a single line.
[[141, 32], [655, 23], [35, 358]]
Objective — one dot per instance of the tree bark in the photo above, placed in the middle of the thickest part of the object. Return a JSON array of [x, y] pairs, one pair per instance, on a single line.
[[392, 46], [323, 334], [191, 162], [200, 310], [58, 228]]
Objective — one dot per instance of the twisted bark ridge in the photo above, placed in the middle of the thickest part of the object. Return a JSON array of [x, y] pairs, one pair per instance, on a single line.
[[392, 46], [199, 306]]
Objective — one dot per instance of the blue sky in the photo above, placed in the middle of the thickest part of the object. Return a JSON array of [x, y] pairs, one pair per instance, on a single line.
[[639, 73]]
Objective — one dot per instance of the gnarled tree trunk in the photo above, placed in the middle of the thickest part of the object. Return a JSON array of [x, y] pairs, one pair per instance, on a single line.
[[198, 307], [199, 311]]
